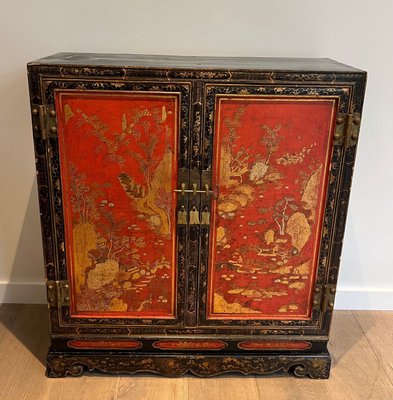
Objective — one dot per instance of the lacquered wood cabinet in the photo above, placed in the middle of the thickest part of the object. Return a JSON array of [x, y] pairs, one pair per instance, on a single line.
[[193, 209]]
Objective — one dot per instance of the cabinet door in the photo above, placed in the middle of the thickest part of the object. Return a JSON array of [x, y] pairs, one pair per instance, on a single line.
[[270, 151], [114, 169]]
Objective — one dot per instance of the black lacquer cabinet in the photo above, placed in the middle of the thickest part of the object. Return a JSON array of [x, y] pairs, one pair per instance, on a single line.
[[192, 209]]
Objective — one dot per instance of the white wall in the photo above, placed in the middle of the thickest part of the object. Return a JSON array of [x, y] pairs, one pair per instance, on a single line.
[[355, 32]]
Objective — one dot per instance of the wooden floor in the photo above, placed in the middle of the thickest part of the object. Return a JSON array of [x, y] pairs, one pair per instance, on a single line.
[[361, 346]]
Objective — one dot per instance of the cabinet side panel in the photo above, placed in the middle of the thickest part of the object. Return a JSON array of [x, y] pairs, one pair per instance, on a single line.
[[118, 156], [271, 163]]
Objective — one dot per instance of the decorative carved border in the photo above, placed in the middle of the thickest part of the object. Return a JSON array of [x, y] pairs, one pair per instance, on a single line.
[[316, 366]]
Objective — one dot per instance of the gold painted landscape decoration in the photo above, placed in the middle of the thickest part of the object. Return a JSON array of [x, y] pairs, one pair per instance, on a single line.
[[119, 170], [271, 163]]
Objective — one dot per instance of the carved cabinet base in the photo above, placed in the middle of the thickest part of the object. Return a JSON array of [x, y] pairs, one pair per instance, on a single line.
[[192, 209], [316, 366]]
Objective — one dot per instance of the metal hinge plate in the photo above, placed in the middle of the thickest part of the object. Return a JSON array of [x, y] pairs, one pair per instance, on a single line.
[[44, 121], [324, 297], [51, 293], [347, 129], [58, 293], [328, 298]]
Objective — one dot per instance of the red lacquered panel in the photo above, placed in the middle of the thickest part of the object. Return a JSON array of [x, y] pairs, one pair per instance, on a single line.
[[190, 345], [105, 344], [274, 345], [118, 158], [271, 163]]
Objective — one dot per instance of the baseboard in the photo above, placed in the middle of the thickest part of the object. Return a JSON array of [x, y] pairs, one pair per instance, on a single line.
[[346, 298], [364, 299]]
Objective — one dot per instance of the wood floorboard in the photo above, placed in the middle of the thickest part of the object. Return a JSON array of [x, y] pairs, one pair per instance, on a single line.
[[8, 314], [151, 387], [290, 388], [86, 387], [230, 386], [378, 328], [23, 347], [361, 346], [356, 373]]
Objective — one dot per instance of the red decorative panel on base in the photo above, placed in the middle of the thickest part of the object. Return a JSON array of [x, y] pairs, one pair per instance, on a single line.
[[190, 345], [105, 344], [271, 165], [274, 345], [118, 156]]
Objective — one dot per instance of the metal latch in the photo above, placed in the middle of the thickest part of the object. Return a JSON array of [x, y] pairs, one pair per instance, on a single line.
[[205, 216], [194, 190], [194, 216]]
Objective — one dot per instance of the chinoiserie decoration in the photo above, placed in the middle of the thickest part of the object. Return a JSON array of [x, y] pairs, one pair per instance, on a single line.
[[192, 209]]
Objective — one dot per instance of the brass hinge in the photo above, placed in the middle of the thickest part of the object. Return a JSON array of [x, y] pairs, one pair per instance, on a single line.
[[324, 297], [347, 129], [328, 298], [44, 121], [58, 293], [51, 293]]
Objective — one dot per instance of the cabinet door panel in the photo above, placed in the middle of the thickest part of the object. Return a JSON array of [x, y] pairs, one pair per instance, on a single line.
[[271, 160], [118, 160]]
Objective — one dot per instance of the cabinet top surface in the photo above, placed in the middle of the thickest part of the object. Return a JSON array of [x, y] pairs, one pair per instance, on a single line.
[[196, 62]]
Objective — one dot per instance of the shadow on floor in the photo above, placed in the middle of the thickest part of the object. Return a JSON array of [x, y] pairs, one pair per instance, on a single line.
[[29, 324]]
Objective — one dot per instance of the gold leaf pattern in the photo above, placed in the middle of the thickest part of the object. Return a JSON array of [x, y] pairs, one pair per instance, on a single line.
[[297, 285], [67, 113], [221, 306], [310, 194], [117, 305], [299, 230], [84, 239]]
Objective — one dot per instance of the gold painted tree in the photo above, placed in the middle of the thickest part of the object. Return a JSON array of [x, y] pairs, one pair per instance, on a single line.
[[153, 197], [280, 214], [83, 202], [233, 163], [270, 141], [145, 127]]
